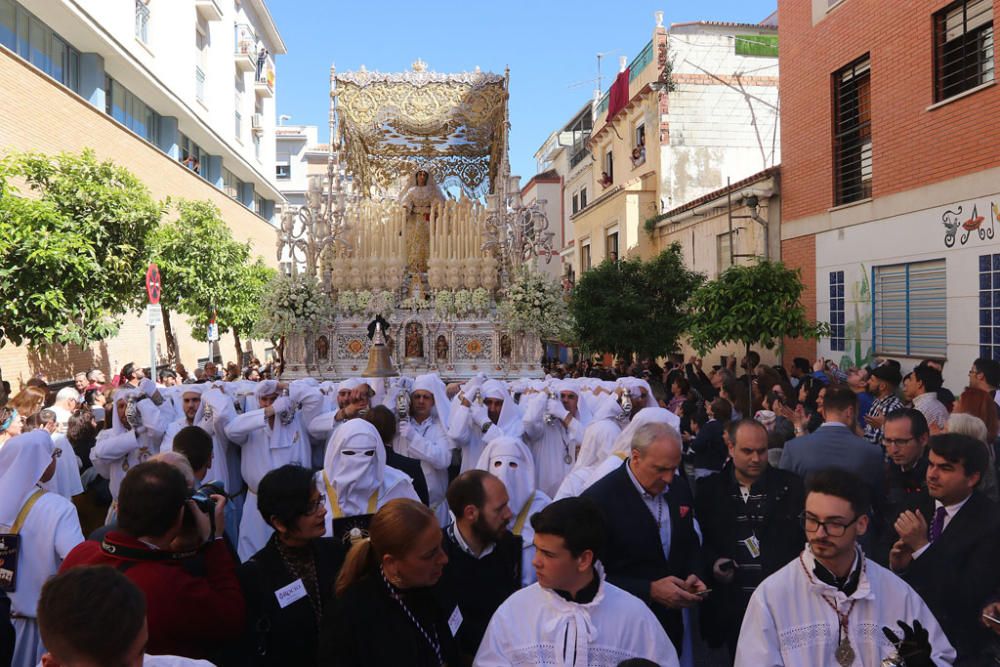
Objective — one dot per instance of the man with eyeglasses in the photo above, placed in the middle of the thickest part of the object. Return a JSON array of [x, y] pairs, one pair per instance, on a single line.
[[948, 550], [905, 440], [829, 605]]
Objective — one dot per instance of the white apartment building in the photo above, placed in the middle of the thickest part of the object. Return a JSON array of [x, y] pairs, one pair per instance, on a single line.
[[567, 154], [297, 156], [195, 78]]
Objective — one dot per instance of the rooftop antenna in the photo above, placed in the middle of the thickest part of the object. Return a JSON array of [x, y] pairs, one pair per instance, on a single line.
[[600, 80]]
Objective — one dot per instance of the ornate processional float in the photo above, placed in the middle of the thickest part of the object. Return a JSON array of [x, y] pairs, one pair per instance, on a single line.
[[417, 222]]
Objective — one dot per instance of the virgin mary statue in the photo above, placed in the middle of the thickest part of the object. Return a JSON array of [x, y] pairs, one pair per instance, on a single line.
[[417, 198]]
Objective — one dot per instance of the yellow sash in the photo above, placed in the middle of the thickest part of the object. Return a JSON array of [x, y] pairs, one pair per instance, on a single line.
[[522, 516], [331, 495], [23, 514]]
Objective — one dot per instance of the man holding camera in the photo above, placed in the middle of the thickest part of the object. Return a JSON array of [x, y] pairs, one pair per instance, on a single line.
[[189, 615]]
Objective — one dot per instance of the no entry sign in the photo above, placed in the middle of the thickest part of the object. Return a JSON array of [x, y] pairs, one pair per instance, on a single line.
[[153, 283]]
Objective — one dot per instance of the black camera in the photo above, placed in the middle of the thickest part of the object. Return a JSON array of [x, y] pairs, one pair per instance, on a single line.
[[202, 497]]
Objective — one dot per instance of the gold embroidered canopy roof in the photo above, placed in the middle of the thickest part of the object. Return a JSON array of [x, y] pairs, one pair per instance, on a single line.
[[450, 124]]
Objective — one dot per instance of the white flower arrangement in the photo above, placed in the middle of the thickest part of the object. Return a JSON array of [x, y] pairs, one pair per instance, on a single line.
[[444, 303], [364, 297], [463, 302], [347, 302], [381, 303], [293, 304], [534, 304], [481, 300]]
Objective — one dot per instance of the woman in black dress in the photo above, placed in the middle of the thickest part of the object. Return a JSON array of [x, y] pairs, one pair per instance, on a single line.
[[386, 611], [289, 584]]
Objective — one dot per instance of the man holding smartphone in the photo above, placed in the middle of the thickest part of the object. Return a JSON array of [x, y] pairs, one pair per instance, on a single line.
[[749, 519]]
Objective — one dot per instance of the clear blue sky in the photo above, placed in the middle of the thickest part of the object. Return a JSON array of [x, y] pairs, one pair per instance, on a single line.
[[549, 45]]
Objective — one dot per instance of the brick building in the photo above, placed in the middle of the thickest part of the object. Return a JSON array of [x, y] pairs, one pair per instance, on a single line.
[[891, 177]]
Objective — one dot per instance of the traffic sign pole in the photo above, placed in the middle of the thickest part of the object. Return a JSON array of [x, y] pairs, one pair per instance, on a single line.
[[154, 313]]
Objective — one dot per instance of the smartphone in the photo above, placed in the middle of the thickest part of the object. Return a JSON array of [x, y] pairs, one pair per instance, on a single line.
[[992, 618]]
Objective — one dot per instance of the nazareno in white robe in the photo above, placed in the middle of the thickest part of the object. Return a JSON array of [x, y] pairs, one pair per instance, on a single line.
[[50, 531], [789, 624], [265, 448], [536, 626]]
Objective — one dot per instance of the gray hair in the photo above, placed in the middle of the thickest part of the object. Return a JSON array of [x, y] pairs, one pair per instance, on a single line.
[[647, 434], [966, 424], [179, 461], [68, 394]]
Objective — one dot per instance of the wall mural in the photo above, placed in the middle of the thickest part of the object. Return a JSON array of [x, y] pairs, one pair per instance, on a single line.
[[953, 221], [859, 329]]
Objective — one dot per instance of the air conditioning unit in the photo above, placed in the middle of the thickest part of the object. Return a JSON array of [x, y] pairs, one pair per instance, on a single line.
[[257, 123]]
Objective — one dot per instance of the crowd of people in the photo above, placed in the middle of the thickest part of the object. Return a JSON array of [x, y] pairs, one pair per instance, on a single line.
[[622, 516]]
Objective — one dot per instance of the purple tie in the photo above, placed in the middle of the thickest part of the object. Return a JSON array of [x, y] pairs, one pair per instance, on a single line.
[[937, 526]]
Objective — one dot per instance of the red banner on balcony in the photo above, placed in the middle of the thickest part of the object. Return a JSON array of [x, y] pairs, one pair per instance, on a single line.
[[618, 95]]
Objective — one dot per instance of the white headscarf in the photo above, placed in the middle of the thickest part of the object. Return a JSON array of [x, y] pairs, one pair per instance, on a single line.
[[354, 476], [23, 459], [120, 396], [584, 415], [510, 461], [510, 414], [433, 383], [634, 386], [265, 388], [593, 450], [623, 443]]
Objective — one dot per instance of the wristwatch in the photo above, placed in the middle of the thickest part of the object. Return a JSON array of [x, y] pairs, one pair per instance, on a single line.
[[486, 427]]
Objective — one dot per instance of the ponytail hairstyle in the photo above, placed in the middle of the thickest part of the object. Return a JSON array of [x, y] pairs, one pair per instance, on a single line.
[[394, 530]]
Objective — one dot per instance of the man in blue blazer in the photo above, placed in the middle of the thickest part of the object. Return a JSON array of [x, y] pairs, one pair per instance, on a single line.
[[834, 444], [653, 550]]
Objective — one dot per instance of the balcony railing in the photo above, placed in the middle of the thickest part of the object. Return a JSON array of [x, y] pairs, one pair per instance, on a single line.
[[246, 48], [264, 77]]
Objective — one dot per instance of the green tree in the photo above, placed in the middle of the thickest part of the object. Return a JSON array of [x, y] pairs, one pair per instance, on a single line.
[[72, 253], [198, 259], [632, 306], [757, 304], [238, 306]]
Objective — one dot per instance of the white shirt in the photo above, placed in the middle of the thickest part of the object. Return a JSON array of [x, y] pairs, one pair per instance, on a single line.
[[949, 513], [788, 621], [932, 408], [537, 626], [658, 507]]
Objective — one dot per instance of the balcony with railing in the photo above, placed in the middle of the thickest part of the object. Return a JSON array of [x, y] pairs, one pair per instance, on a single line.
[[636, 69], [264, 78], [246, 48]]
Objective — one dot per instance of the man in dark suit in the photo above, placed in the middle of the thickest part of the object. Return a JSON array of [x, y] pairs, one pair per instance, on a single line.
[[709, 445], [652, 550], [950, 559], [834, 444], [749, 517], [904, 434]]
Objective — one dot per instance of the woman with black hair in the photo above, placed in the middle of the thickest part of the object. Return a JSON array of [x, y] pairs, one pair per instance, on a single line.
[[289, 584]]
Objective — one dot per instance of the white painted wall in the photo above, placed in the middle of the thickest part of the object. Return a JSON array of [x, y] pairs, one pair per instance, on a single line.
[[716, 131], [910, 237]]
